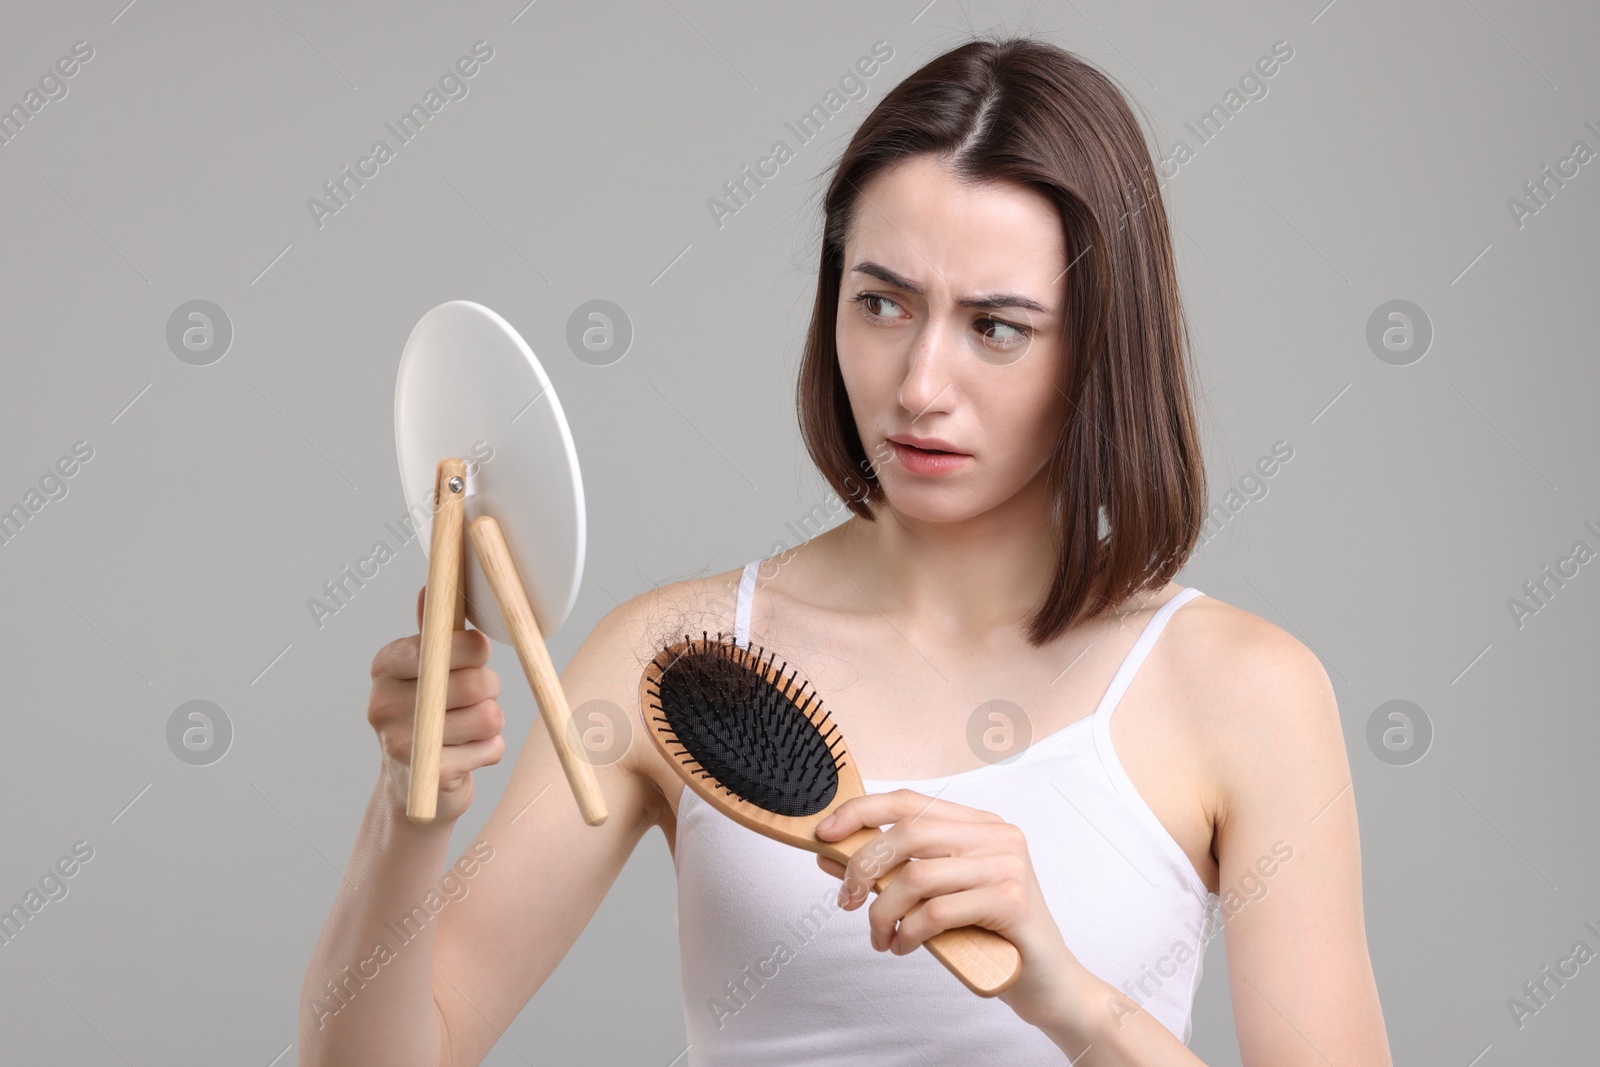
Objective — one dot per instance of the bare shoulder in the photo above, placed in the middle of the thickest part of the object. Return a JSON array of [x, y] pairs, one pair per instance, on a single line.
[[609, 663], [635, 630], [1229, 652], [1271, 731], [1255, 692]]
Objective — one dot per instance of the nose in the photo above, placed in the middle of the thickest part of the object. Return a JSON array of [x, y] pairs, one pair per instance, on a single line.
[[928, 383]]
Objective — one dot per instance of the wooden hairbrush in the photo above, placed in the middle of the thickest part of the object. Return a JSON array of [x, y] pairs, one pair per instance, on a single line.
[[761, 748]]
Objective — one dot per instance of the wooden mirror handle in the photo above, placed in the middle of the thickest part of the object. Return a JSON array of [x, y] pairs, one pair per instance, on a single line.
[[498, 567], [444, 610]]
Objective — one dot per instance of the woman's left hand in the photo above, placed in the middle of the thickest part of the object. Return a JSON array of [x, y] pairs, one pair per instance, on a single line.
[[973, 869]]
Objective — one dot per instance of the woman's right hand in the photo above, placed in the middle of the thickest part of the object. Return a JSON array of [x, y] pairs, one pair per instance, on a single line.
[[472, 721]]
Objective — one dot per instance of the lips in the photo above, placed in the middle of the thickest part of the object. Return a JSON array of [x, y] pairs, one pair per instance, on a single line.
[[935, 445], [927, 462]]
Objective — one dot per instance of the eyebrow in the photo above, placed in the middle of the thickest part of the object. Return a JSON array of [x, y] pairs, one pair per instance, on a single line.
[[989, 301]]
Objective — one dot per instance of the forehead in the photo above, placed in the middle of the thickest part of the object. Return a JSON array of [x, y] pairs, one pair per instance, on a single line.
[[918, 219]]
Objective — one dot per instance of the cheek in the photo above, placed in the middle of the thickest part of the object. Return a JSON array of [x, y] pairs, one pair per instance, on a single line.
[[844, 343], [848, 363], [1030, 418], [867, 369], [1034, 405], [858, 387]]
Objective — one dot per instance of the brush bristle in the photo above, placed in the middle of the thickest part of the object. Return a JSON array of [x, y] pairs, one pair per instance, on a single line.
[[721, 713]]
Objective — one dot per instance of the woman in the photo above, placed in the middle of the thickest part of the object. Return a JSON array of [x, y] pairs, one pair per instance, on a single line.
[[996, 382]]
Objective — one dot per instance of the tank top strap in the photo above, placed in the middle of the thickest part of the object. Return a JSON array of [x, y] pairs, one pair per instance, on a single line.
[[741, 611], [1141, 648]]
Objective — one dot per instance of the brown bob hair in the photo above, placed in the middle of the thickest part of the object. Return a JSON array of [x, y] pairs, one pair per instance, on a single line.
[[1025, 111]]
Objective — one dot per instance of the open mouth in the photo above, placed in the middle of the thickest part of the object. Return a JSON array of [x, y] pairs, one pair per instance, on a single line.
[[924, 449], [928, 461]]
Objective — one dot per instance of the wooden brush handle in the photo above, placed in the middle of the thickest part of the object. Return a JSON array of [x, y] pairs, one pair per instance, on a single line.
[[985, 962]]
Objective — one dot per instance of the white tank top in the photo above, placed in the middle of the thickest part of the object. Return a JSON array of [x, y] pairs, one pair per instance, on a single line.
[[774, 973]]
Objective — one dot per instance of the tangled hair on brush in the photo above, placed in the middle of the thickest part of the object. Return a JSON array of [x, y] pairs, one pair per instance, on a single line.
[[1127, 457], [703, 603]]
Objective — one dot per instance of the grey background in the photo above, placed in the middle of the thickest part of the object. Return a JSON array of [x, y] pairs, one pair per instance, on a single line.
[[1418, 501]]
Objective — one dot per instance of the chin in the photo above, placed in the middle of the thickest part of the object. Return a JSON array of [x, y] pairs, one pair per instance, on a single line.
[[950, 501], [932, 503]]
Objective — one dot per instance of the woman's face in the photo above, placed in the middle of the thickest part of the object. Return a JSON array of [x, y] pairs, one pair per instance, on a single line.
[[950, 326]]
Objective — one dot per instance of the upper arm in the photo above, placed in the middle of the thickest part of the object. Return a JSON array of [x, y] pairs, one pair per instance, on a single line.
[[548, 870], [1289, 861]]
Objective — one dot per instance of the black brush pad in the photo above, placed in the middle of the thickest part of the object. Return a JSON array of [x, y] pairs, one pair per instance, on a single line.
[[745, 733]]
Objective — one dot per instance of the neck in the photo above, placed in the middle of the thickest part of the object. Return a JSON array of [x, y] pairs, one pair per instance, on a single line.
[[955, 578]]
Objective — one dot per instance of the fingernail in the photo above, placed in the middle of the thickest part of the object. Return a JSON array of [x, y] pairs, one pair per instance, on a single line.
[[827, 824]]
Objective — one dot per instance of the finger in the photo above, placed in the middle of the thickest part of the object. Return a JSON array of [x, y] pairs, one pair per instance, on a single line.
[[469, 648], [457, 761], [926, 880], [422, 597], [401, 659], [462, 726], [877, 809], [468, 685], [464, 687], [993, 907], [473, 723], [921, 839], [831, 866]]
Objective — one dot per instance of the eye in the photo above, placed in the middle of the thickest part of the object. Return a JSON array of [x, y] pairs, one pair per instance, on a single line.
[[871, 303], [1017, 335], [998, 333]]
